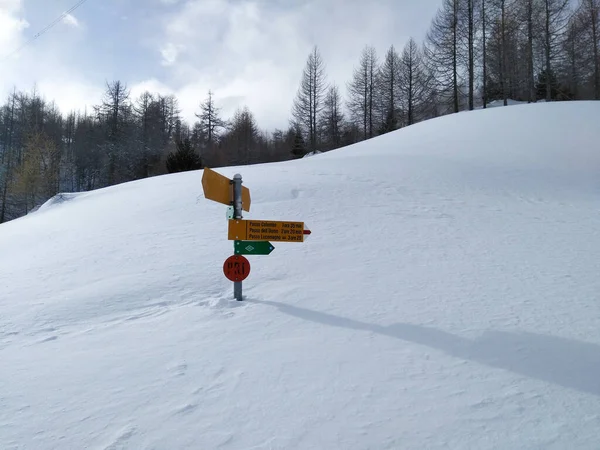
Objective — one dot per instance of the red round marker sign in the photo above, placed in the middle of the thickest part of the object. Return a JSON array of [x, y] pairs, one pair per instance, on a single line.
[[236, 268]]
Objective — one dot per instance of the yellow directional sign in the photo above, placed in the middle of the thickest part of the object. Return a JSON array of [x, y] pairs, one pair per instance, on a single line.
[[220, 189], [266, 230]]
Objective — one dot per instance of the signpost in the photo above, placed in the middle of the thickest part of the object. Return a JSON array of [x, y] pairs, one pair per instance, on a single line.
[[220, 189], [262, 230], [238, 201], [236, 268], [253, 247], [251, 237]]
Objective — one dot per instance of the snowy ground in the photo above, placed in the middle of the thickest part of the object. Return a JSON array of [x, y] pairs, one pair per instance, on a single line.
[[509, 102], [448, 297]]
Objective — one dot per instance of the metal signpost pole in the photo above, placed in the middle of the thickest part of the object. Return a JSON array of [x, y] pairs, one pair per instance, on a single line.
[[237, 214]]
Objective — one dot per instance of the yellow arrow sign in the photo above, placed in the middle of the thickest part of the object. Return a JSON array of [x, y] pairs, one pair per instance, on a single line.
[[220, 189], [266, 230]]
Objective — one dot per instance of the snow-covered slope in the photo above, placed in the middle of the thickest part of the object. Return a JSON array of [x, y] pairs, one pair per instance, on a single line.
[[448, 297]]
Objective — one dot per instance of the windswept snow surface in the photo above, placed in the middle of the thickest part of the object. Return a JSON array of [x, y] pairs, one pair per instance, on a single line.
[[448, 297]]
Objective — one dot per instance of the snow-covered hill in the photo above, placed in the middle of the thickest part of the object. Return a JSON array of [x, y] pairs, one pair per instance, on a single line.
[[448, 297]]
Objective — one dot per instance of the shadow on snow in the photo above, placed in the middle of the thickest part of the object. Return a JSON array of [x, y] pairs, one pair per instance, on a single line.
[[565, 362]]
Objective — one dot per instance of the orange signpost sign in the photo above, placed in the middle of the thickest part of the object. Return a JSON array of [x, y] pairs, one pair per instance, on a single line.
[[236, 268], [220, 189], [263, 230]]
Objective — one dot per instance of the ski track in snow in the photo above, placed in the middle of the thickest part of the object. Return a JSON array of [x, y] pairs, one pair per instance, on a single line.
[[447, 298]]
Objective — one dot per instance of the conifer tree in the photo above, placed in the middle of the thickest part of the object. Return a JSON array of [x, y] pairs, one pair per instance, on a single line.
[[184, 158]]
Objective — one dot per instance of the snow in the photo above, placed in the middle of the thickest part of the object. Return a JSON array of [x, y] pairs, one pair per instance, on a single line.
[[309, 154], [58, 199], [447, 298], [509, 102]]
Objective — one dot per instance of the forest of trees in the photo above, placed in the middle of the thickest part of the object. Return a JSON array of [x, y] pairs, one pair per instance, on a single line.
[[475, 52]]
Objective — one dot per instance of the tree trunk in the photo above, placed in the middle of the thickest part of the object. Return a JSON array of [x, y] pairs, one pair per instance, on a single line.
[[531, 97], [410, 93], [455, 57], [574, 74], [365, 102], [503, 55], [471, 56], [594, 23], [371, 100], [8, 142], [547, 54], [484, 37]]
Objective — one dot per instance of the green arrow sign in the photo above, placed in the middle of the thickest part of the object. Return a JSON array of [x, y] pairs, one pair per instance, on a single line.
[[253, 247]]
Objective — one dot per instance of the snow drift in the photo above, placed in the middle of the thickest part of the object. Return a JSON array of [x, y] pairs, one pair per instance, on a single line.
[[447, 298]]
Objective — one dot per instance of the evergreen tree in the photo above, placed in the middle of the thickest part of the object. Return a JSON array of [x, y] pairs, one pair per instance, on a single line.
[[184, 158], [299, 145]]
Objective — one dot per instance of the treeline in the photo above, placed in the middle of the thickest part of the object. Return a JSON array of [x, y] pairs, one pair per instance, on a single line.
[[43, 152], [475, 52]]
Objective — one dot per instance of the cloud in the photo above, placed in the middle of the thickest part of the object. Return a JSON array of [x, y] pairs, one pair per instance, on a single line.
[[151, 85], [248, 52], [242, 51], [71, 20], [75, 95], [10, 5], [169, 53], [11, 27], [41, 64], [255, 51]]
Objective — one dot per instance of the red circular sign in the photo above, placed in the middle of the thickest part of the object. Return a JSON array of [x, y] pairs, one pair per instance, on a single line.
[[236, 268]]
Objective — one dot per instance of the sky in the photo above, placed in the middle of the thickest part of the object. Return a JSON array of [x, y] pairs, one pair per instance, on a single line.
[[248, 53]]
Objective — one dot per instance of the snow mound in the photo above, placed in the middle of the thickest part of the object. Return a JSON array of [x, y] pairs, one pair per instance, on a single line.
[[447, 298], [500, 103], [309, 154], [58, 199]]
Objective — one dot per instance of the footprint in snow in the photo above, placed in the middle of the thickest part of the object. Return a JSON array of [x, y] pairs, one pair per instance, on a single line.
[[179, 369], [187, 409]]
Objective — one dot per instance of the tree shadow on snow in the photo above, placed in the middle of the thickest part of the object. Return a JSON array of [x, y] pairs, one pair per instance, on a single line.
[[565, 362]]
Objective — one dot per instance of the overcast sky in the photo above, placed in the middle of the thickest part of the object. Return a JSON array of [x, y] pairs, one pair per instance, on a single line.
[[248, 52]]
